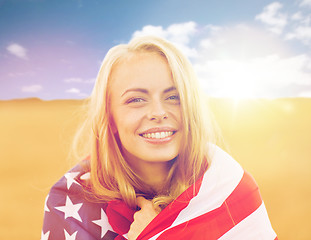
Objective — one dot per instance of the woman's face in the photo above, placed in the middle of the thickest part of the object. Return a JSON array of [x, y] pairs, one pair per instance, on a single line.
[[145, 109]]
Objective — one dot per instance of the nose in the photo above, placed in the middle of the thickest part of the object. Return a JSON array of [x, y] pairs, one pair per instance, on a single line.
[[157, 111]]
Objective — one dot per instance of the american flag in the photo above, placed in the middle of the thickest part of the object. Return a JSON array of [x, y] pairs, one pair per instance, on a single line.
[[223, 204]]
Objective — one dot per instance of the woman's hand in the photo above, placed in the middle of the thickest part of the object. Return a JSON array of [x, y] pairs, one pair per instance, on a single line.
[[142, 217]]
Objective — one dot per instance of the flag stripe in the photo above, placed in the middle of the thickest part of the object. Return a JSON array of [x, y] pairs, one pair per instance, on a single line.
[[243, 201], [220, 180], [255, 226]]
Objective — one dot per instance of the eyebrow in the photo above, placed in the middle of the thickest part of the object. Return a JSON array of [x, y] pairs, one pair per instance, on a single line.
[[169, 89], [142, 90]]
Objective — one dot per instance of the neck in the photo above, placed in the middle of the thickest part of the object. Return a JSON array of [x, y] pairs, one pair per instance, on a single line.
[[153, 174]]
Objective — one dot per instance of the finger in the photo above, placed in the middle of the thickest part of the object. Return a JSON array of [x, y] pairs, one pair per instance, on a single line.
[[143, 202]]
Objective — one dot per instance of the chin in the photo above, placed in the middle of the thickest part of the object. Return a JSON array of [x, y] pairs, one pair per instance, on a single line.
[[161, 158]]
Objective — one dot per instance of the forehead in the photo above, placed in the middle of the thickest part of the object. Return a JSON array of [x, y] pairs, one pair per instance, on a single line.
[[143, 69], [138, 62]]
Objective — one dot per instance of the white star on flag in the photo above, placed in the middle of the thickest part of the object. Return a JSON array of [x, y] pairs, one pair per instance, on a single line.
[[70, 237], [70, 176], [46, 208], [45, 236], [103, 223], [86, 176], [70, 209]]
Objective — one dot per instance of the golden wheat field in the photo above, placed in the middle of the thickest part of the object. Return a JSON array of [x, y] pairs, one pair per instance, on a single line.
[[270, 138]]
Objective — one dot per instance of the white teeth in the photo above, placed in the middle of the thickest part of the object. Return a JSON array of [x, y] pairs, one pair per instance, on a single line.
[[158, 135]]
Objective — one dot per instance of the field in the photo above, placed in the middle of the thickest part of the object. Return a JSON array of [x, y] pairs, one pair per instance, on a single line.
[[270, 138]]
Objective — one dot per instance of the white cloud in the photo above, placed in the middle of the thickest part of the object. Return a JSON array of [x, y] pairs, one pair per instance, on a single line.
[[301, 18], [252, 77], [73, 80], [77, 92], [306, 20], [79, 80], [177, 33], [242, 60], [73, 90], [302, 33], [294, 24], [206, 43], [272, 16], [17, 50], [28, 74], [297, 16], [305, 3], [90, 80], [306, 94], [32, 88], [151, 30], [180, 34], [240, 42]]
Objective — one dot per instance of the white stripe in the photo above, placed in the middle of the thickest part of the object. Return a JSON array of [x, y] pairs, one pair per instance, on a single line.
[[219, 181], [256, 226]]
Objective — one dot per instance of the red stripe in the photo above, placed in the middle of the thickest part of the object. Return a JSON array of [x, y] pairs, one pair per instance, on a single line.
[[243, 201], [166, 217], [120, 216]]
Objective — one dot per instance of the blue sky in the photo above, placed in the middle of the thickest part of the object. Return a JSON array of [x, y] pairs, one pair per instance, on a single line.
[[53, 49]]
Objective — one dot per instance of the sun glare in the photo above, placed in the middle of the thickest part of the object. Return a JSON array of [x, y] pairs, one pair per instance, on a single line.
[[237, 82], [238, 89]]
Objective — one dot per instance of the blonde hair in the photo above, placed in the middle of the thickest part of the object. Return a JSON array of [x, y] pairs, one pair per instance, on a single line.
[[111, 176]]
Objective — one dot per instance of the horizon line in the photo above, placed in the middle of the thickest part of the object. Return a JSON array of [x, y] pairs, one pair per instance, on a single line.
[[207, 98]]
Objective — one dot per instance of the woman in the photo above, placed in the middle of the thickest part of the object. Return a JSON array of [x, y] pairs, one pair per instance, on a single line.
[[153, 172]]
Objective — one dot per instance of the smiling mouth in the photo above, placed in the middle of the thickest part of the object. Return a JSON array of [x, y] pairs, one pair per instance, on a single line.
[[158, 135]]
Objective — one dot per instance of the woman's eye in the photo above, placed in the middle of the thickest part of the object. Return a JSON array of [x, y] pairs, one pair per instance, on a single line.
[[173, 97], [135, 100]]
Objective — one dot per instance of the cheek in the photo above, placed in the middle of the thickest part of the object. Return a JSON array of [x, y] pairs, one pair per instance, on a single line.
[[127, 123], [176, 114]]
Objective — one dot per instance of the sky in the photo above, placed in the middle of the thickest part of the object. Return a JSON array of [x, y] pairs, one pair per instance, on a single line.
[[239, 49]]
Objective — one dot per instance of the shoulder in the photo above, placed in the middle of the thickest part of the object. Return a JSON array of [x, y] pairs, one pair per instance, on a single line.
[[69, 187], [236, 194], [71, 182], [227, 206], [226, 176], [223, 170], [67, 212]]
